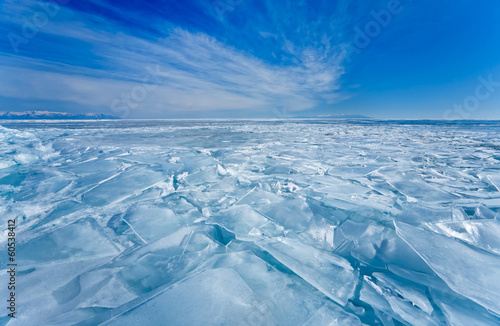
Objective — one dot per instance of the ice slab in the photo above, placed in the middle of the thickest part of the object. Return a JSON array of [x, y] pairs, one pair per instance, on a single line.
[[332, 315], [479, 233], [411, 292], [212, 297], [460, 311], [495, 180], [107, 292], [330, 274], [474, 273], [79, 240], [376, 245], [151, 222], [400, 306], [417, 215], [258, 197], [36, 294], [279, 291], [483, 212], [240, 219], [122, 185], [167, 259], [292, 214], [112, 214]]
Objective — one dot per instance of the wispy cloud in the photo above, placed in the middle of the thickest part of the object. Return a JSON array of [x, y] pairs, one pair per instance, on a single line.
[[196, 71]]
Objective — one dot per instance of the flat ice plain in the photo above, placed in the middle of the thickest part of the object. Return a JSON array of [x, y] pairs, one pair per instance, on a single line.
[[318, 222]]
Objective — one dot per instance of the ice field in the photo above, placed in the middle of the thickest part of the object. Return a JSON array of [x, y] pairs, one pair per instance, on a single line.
[[318, 222]]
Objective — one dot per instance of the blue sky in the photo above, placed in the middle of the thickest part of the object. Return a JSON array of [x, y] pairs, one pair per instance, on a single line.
[[241, 58]]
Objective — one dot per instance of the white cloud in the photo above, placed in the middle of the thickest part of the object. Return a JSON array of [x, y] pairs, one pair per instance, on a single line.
[[198, 73]]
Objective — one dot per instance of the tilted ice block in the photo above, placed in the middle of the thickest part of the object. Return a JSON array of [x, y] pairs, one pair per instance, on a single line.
[[25, 158], [350, 230], [182, 208], [90, 168], [79, 240], [63, 209], [429, 279], [494, 179], [152, 271], [108, 292], [410, 292], [278, 290], [292, 214], [483, 212], [135, 274], [87, 293], [186, 239], [483, 234], [376, 245], [12, 178], [416, 215], [348, 190], [460, 311], [167, 259], [6, 164], [212, 297], [193, 162], [279, 169], [415, 189], [38, 283], [239, 219], [330, 274], [151, 222], [329, 212], [258, 197], [458, 214], [468, 271], [332, 315], [373, 297], [399, 306], [124, 185], [207, 175], [158, 159], [320, 234], [53, 184]]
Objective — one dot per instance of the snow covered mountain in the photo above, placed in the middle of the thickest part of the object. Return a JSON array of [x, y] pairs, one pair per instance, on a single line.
[[53, 115]]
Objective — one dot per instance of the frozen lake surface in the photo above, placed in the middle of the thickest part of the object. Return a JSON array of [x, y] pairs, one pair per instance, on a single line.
[[317, 222]]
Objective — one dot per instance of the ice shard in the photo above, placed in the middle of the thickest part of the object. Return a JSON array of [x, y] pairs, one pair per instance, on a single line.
[[317, 222], [212, 297], [467, 270]]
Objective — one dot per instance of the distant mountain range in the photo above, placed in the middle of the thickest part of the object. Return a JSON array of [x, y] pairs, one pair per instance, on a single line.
[[45, 115], [48, 115], [343, 116]]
